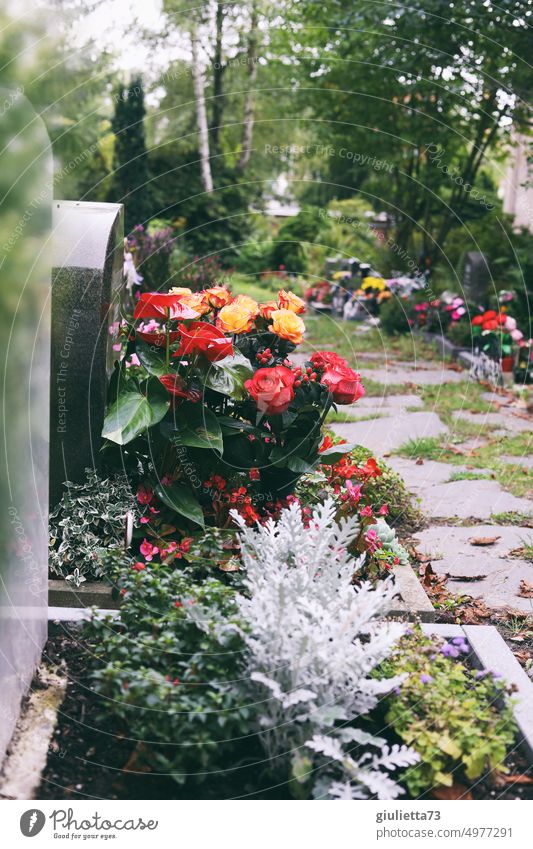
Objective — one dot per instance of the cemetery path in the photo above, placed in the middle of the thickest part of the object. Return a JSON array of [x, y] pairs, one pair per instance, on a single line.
[[478, 530]]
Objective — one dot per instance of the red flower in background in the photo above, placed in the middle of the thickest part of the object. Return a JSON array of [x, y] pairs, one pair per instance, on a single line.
[[344, 383], [203, 338], [272, 389], [370, 469], [156, 305], [158, 338], [322, 359]]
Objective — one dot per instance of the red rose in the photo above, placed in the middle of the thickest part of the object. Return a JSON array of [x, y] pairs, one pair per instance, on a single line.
[[490, 325], [177, 387], [156, 305], [323, 359], [477, 320], [344, 383], [272, 389], [203, 338]]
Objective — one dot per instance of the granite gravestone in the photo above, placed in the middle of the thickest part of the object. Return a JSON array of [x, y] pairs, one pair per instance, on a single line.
[[26, 182], [476, 277], [87, 282]]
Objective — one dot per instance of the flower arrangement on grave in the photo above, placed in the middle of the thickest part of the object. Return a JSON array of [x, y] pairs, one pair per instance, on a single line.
[[208, 411], [496, 334]]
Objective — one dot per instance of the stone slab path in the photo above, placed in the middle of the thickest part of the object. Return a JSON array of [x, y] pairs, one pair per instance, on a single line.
[[496, 571]]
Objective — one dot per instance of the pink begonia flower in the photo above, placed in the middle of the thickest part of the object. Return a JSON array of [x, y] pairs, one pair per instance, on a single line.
[[456, 315], [144, 494], [510, 323], [148, 550], [117, 347], [384, 510], [144, 520], [113, 328], [354, 492], [516, 335], [133, 361]]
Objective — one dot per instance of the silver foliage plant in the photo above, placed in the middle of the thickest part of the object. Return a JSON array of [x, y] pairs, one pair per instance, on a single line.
[[313, 641]]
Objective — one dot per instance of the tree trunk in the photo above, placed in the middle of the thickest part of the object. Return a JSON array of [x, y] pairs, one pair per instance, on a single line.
[[218, 73], [248, 123], [201, 115]]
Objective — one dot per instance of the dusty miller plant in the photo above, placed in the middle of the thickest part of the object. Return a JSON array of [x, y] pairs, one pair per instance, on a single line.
[[313, 641]]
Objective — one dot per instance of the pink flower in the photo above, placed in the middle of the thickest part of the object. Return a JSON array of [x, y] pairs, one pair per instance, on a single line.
[[384, 510], [354, 492], [144, 520], [148, 550], [510, 323], [516, 335], [144, 494], [366, 512], [117, 347], [133, 361]]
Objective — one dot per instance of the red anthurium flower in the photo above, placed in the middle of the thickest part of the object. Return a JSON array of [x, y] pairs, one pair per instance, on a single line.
[[203, 338], [177, 386], [158, 339], [272, 389], [157, 305]]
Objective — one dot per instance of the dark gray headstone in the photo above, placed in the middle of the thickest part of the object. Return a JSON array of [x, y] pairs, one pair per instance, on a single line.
[[26, 182], [87, 281], [476, 277]]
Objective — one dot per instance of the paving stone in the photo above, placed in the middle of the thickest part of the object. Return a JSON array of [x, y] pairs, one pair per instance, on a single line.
[[426, 475], [476, 499], [420, 377], [383, 405], [501, 583], [506, 420], [388, 433]]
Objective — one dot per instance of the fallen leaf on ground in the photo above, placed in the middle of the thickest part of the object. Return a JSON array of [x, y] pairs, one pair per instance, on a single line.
[[526, 589], [500, 779], [483, 540], [456, 791], [475, 611], [466, 578], [522, 656], [419, 462], [421, 557]]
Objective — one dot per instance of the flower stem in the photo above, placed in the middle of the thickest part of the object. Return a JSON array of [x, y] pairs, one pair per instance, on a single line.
[[167, 336]]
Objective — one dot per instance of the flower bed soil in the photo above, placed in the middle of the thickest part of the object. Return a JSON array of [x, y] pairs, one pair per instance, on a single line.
[[88, 759]]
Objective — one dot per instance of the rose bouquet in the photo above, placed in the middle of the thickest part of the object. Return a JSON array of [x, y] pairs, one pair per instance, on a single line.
[[209, 413], [496, 335]]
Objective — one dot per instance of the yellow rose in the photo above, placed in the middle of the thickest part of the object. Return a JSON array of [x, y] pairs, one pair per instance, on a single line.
[[248, 303], [176, 290], [235, 318], [290, 301], [267, 309], [287, 325]]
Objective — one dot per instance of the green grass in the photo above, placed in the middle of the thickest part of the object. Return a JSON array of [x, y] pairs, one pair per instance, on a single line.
[[469, 476], [342, 418], [510, 518], [425, 448], [527, 549]]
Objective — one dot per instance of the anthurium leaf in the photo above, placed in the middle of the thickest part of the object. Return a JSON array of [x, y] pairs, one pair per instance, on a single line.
[[180, 498], [334, 454], [232, 427], [278, 457], [228, 376], [296, 464], [132, 414], [197, 426], [152, 358]]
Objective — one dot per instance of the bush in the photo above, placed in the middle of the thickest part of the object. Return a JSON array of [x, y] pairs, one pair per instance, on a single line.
[[394, 317], [460, 333], [89, 518], [447, 712], [290, 248]]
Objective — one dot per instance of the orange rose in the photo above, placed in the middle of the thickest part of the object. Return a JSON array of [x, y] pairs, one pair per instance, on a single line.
[[248, 303], [287, 325], [290, 301], [235, 318], [218, 296], [197, 301], [267, 309]]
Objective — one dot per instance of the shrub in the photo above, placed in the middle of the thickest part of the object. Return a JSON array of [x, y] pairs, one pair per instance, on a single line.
[[460, 333], [394, 317], [90, 517], [447, 712]]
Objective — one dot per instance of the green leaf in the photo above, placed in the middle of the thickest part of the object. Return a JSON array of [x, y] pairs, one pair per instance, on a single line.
[[180, 498], [152, 358], [278, 457], [233, 427], [198, 427], [335, 453], [132, 414], [296, 464], [229, 375]]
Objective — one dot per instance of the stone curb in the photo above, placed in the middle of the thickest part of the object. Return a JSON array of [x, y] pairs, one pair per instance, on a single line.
[[413, 600], [91, 593], [489, 651]]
